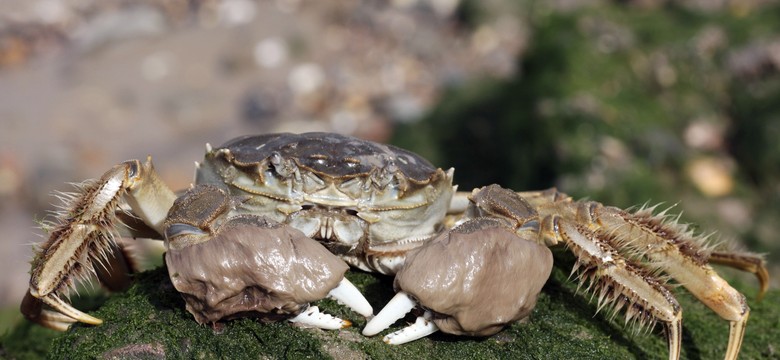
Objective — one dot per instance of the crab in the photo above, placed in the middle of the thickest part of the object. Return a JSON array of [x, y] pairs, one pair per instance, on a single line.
[[272, 220]]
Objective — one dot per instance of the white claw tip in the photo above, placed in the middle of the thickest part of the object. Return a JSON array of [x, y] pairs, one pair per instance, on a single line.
[[420, 329], [347, 294], [398, 306], [312, 317]]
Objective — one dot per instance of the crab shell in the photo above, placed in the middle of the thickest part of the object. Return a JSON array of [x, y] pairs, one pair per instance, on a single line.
[[477, 277], [368, 203], [245, 265]]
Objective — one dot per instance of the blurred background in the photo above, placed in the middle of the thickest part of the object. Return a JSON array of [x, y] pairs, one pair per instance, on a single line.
[[624, 102]]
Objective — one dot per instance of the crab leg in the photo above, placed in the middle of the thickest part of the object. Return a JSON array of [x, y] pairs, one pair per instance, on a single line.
[[459, 202], [118, 265], [665, 245], [618, 280], [677, 252], [33, 310], [615, 245], [745, 262], [84, 233]]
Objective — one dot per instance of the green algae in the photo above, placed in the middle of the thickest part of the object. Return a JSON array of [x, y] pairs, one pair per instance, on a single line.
[[149, 321]]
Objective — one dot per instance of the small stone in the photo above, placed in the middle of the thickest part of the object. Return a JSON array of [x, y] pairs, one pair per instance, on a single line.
[[712, 176], [271, 52], [306, 78]]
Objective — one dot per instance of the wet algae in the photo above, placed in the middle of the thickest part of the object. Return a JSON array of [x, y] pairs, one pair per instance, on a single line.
[[149, 321]]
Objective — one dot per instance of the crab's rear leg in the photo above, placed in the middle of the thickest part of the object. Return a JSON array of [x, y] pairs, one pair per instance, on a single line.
[[84, 234], [619, 281], [681, 255], [751, 263], [671, 248]]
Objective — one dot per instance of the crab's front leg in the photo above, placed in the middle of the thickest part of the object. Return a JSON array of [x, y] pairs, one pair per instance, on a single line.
[[472, 280], [84, 233], [227, 265]]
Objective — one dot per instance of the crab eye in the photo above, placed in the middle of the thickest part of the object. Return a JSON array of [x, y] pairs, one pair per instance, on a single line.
[[133, 169], [179, 229]]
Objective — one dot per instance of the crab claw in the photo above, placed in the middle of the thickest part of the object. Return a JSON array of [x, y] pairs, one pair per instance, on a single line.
[[347, 294], [314, 318], [399, 305], [421, 328], [227, 265], [472, 280]]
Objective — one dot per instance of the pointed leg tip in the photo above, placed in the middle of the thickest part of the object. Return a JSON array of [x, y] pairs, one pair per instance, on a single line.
[[736, 334], [763, 290], [763, 280], [66, 309], [89, 319]]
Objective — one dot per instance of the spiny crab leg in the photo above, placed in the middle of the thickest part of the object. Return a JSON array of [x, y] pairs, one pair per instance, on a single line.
[[84, 234], [661, 245], [746, 262], [675, 251], [618, 281]]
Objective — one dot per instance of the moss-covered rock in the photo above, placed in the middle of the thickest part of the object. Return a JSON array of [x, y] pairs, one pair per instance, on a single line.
[[149, 321]]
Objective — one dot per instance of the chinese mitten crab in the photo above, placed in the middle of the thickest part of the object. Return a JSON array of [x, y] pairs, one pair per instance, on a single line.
[[250, 237]]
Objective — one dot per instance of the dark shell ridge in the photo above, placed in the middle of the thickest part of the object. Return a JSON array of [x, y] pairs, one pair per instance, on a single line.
[[331, 155]]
